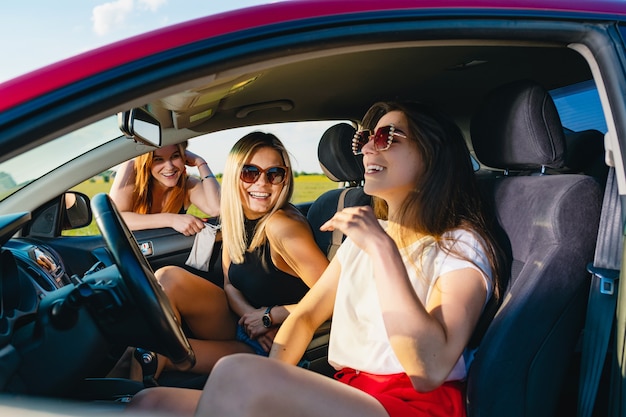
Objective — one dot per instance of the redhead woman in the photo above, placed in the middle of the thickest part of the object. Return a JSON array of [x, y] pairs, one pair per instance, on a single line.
[[154, 190], [270, 258]]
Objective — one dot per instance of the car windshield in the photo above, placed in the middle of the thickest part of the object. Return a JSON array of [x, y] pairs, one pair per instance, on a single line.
[[18, 172]]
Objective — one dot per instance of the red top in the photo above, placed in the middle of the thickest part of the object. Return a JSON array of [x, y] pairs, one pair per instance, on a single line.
[[73, 69]]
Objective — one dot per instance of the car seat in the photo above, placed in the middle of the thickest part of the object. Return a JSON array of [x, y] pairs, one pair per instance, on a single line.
[[585, 154], [550, 224], [340, 165]]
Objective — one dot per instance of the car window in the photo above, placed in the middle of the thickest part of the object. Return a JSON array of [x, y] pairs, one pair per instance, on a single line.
[[579, 107], [300, 139], [19, 171]]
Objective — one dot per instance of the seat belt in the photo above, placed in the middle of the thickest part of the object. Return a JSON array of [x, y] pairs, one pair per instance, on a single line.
[[337, 236], [602, 300]]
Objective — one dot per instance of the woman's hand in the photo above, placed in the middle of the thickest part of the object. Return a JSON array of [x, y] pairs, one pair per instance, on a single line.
[[267, 340], [193, 160], [358, 223], [252, 323], [187, 224]]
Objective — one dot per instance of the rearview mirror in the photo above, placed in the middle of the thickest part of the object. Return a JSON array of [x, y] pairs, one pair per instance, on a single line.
[[141, 126]]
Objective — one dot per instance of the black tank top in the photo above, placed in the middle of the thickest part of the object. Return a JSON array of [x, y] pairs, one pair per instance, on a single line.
[[260, 281]]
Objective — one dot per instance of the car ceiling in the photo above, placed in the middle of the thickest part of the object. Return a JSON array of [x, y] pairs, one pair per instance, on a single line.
[[334, 85]]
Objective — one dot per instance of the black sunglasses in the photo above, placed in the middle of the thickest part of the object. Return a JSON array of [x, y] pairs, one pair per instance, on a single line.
[[382, 138], [275, 175]]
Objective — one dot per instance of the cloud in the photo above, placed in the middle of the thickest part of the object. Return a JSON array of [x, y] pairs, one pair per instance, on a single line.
[[152, 5], [110, 16]]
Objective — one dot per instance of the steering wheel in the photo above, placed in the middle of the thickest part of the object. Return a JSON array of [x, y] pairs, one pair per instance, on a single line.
[[142, 285]]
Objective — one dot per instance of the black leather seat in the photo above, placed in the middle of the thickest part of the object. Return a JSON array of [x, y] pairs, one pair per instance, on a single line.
[[550, 225], [342, 166]]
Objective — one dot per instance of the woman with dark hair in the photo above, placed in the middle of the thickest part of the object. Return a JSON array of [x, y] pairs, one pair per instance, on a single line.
[[154, 190], [405, 291]]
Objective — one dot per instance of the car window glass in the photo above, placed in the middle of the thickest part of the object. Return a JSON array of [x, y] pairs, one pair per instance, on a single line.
[[579, 107], [300, 138], [27, 167]]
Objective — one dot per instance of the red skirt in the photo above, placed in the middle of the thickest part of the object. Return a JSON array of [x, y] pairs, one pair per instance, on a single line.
[[399, 398]]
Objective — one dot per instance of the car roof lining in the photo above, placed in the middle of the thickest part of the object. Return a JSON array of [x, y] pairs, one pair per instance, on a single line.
[[457, 62]]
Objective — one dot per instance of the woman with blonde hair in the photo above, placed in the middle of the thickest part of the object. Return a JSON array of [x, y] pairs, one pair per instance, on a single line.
[[270, 258], [154, 190]]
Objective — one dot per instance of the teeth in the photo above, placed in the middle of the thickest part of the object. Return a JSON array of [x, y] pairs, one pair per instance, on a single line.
[[374, 168], [260, 195]]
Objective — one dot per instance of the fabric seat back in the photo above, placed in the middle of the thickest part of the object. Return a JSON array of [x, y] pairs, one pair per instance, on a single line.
[[550, 225]]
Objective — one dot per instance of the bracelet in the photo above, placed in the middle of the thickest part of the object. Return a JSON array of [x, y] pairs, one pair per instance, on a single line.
[[204, 163], [207, 177]]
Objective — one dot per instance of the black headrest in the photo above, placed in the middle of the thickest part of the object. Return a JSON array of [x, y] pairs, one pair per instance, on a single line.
[[518, 127], [583, 149], [335, 154]]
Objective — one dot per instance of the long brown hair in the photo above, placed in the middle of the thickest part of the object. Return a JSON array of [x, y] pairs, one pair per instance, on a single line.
[[144, 184], [446, 196]]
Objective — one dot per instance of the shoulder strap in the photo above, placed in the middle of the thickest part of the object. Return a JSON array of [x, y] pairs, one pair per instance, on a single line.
[[602, 297], [337, 237]]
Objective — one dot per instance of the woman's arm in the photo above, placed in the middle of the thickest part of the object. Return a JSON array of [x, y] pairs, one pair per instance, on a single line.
[[122, 195], [123, 186], [294, 251], [307, 316], [237, 302], [249, 317], [293, 246], [428, 340], [203, 193], [186, 224]]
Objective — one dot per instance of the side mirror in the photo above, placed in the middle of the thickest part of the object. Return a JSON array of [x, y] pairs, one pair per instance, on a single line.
[[70, 210], [77, 211], [141, 126]]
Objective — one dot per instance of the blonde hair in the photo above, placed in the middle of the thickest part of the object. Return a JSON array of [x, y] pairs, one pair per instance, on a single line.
[[232, 217], [144, 184]]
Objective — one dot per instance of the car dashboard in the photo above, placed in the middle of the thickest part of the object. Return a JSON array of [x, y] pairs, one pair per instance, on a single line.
[[55, 327]]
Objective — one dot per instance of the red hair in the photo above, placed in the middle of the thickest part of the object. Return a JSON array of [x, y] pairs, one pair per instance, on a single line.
[[144, 183]]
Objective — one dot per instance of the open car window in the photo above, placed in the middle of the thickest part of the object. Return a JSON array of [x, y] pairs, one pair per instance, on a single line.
[[300, 138]]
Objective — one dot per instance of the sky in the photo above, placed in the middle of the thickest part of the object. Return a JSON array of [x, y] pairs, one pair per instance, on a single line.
[[37, 33]]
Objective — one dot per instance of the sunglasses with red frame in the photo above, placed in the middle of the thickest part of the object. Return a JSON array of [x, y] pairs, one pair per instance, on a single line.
[[382, 138]]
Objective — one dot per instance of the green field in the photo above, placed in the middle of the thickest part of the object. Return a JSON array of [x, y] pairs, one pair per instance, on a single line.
[[307, 188]]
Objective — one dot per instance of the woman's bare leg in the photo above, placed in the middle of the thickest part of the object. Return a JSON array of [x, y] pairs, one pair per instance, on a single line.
[[250, 385], [205, 310], [203, 304], [179, 402]]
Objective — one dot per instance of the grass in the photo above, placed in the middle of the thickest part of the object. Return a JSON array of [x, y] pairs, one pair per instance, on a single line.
[[307, 188]]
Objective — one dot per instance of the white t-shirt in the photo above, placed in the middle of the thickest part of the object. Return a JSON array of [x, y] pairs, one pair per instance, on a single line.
[[358, 338]]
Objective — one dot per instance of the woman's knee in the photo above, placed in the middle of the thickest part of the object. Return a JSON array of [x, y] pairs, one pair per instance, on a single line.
[[170, 278], [179, 402], [257, 376], [243, 370], [236, 373]]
